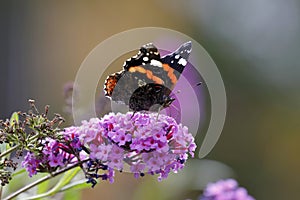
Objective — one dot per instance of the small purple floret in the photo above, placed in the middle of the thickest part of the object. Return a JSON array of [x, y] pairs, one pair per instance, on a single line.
[[225, 190]]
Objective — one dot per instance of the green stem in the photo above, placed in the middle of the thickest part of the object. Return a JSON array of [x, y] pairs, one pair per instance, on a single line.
[[45, 178], [9, 151]]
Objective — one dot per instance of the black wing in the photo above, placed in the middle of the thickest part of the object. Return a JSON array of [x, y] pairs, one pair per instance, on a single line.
[[147, 53], [178, 59]]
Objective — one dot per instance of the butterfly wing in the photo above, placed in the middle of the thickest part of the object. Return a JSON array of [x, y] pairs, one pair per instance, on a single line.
[[178, 59], [146, 53]]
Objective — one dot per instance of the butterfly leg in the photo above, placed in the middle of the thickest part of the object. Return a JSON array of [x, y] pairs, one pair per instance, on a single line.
[[133, 114], [158, 112]]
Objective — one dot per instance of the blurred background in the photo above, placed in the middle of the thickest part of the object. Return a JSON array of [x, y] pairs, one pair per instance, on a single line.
[[255, 44]]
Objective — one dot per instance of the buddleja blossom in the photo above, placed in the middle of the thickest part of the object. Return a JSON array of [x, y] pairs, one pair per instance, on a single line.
[[55, 153], [225, 190], [147, 142]]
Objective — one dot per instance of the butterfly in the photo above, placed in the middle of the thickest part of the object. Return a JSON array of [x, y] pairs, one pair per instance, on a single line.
[[147, 79]]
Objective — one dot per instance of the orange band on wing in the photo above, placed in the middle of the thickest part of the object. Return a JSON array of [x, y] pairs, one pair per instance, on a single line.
[[148, 73], [137, 69], [171, 74]]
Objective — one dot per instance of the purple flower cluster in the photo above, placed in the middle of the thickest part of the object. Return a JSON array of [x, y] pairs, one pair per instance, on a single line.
[[146, 142], [225, 190], [55, 154], [31, 163]]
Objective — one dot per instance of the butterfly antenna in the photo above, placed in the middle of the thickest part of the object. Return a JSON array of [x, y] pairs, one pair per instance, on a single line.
[[158, 112], [174, 93]]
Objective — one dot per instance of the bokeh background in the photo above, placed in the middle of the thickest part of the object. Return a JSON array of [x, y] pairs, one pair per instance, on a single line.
[[255, 44]]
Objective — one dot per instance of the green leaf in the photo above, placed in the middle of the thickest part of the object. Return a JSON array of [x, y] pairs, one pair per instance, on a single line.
[[66, 179], [21, 171], [81, 184], [14, 119], [3, 147], [69, 175], [43, 187], [19, 179]]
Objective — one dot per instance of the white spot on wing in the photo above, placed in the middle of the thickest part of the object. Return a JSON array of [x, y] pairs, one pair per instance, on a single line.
[[182, 61], [177, 56], [145, 59], [141, 83], [156, 63]]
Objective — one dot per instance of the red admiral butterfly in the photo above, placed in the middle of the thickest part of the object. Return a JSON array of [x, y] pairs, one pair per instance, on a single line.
[[147, 79]]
